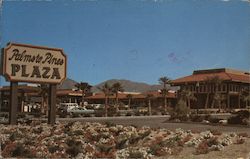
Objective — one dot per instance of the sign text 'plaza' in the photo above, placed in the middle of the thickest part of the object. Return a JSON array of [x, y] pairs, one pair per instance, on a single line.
[[28, 63]]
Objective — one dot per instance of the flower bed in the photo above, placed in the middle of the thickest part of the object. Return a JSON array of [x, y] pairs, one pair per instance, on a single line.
[[95, 140]]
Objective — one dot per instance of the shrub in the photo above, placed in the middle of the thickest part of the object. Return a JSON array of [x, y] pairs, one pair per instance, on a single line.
[[212, 141], [235, 120], [120, 144], [109, 124], [157, 150], [53, 149], [135, 154], [20, 151], [38, 130], [202, 148], [213, 120], [243, 114], [73, 151], [240, 141], [180, 112], [78, 132], [74, 147], [197, 118], [129, 114], [215, 132], [243, 134], [241, 117]]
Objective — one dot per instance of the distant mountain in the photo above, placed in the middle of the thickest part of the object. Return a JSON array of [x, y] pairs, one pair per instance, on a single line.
[[67, 84], [129, 86]]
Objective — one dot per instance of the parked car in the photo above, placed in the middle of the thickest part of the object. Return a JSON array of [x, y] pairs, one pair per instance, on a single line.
[[67, 106], [81, 111]]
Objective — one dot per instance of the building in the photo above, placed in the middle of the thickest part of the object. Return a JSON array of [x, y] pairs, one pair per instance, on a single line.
[[30, 94], [216, 88]]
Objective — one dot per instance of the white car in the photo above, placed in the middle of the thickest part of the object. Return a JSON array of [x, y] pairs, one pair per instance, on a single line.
[[68, 106]]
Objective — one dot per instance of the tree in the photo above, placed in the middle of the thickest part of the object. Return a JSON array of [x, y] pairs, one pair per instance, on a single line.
[[149, 97], [107, 90], [181, 110], [216, 82], [164, 80], [187, 96], [116, 88], [44, 89], [218, 98], [85, 88], [129, 96]]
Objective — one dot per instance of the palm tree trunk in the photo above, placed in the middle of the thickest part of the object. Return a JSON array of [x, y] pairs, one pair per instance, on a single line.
[[116, 99], [106, 106], [149, 108], [83, 99], [212, 105], [219, 105], [165, 103], [129, 102], [207, 99], [189, 104]]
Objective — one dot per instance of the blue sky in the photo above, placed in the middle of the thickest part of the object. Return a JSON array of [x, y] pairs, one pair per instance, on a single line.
[[139, 40]]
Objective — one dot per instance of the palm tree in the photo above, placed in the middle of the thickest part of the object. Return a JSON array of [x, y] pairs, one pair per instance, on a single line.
[[129, 96], [245, 95], [44, 89], [149, 97], [164, 80], [85, 88], [107, 90], [216, 82], [187, 96], [116, 88], [208, 82], [218, 98]]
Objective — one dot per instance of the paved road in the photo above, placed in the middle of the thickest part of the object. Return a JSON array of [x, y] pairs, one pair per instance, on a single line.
[[160, 122]]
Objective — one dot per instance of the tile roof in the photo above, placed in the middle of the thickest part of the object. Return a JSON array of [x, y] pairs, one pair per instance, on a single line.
[[225, 75]]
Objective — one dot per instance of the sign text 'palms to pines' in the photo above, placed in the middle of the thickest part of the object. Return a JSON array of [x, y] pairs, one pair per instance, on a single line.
[[28, 63]]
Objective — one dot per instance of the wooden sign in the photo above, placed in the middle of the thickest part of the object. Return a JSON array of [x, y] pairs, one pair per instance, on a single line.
[[36, 64]]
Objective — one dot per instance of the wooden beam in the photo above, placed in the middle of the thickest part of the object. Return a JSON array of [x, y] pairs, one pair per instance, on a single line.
[[52, 104], [13, 103]]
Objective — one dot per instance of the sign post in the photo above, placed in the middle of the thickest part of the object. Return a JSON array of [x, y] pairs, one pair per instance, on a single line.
[[34, 64], [13, 103], [52, 104]]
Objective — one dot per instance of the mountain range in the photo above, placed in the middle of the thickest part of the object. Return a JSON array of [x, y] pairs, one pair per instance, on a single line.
[[128, 86]]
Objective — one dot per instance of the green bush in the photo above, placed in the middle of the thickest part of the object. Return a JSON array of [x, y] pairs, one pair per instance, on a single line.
[[74, 147], [180, 112], [240, 118], [197, 118]]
